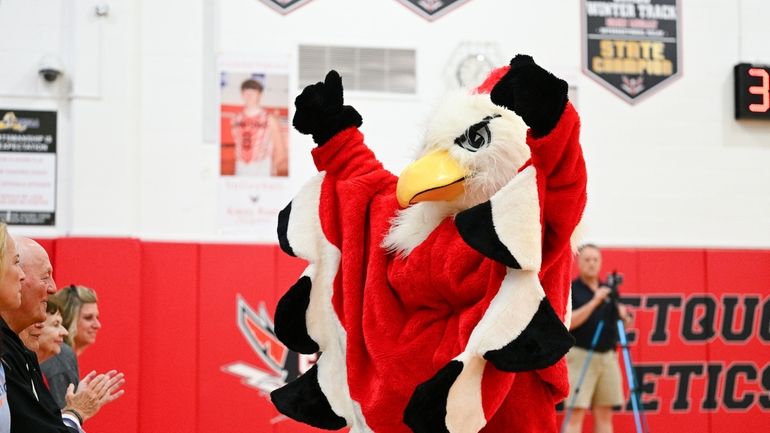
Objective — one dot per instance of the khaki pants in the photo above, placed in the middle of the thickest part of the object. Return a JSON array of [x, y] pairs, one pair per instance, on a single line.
[[602, 384]]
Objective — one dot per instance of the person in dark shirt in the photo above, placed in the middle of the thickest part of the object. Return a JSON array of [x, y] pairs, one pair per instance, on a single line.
[[601, 388], [31, 405], [11, 277]]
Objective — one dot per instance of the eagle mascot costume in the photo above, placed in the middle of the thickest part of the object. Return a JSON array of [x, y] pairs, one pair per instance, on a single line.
[[437, 299]]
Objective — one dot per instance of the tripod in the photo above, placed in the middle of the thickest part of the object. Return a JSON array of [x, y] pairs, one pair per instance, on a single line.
[[632, 383]]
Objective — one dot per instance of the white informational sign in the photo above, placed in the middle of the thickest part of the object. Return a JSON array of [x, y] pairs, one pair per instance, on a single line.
[[250, 206], [254, 147], [28, 167]]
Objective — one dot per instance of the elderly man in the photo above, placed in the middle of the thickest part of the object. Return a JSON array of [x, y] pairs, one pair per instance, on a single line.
[[32, 406]]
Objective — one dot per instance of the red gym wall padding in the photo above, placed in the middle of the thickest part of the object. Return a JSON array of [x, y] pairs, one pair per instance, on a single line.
[[189, 324], [226, 272], [169, 338], [743, 276], [112, 267]]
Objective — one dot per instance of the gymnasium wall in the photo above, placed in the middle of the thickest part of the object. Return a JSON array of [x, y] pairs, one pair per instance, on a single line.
[[171, 314], [677, 188], [138, 157]]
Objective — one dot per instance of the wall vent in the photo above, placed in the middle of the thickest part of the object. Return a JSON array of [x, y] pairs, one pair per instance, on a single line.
[[385, 70]]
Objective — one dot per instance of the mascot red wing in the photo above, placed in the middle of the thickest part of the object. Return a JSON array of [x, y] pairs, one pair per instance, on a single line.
[[437, 299]]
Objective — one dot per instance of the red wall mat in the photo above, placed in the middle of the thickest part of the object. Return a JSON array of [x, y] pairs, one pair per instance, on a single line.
[[232, 378], [169, 338], [112, 267], [668, 280], [740, 360], [171, 322]]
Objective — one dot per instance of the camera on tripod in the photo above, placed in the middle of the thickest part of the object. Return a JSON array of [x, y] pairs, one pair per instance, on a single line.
[[614, 280]]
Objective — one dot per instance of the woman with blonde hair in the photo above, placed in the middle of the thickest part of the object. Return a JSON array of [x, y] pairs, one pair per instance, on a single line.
[[11, 276], [80, 316]]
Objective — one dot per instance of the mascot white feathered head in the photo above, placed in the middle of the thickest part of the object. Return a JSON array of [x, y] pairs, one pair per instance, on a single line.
[[475, 143], [472, 148]]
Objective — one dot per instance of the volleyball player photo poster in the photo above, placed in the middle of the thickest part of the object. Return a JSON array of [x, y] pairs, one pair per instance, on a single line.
[[254, 149]]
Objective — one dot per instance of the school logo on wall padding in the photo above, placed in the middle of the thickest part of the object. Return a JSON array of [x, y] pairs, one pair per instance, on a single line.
[[431, 9], [276, 365], [631, 48], [285, 6]]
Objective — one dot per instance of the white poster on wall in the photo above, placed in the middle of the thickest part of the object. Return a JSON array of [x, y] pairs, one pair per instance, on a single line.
[[28, 167], [254, 150]]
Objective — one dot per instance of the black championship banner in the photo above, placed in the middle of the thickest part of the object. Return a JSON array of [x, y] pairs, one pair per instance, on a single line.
[[28, 167], [631, 46], [431, 9], [285, 6]]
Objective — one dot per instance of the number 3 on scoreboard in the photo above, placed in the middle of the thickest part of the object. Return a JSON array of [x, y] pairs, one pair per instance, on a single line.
[[752, 91], [762, 89]]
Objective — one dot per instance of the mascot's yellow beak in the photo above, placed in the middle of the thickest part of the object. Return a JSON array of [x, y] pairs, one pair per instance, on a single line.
[[434, 177]]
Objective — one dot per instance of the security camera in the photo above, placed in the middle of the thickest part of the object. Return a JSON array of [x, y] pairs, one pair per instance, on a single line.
[[50, 68]]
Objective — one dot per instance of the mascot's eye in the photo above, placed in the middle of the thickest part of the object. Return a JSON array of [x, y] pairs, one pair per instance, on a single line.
[[476, 136]]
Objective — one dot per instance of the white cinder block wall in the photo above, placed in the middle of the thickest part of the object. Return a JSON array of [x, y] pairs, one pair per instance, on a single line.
[[136, 160]]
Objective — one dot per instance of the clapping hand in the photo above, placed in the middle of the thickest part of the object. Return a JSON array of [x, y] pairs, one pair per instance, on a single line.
[[93, 392]]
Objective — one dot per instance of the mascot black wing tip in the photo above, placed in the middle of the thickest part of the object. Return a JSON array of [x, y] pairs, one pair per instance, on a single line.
[[303, 400], [426, 410], [522, 59], [333, 83], [543, 342], [533, 93], [290, 322], [319, 111], [477, 228]]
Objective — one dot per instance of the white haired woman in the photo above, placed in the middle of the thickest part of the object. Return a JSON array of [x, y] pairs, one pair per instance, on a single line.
[[11, 276], [80, 316]]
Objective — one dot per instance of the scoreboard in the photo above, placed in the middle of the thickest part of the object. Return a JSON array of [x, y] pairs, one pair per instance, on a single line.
[[752, 91]]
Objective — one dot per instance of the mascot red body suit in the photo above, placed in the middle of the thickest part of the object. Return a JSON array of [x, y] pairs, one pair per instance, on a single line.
[[437, 299]]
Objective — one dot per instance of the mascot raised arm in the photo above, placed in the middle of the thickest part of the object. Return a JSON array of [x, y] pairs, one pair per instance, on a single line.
[[437, 299]]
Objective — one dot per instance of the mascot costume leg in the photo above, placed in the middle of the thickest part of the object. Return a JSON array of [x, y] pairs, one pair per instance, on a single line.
[[437, 299]]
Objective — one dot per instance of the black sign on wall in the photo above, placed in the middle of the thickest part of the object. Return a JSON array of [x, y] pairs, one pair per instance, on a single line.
[[631, 47], [28, 167]]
